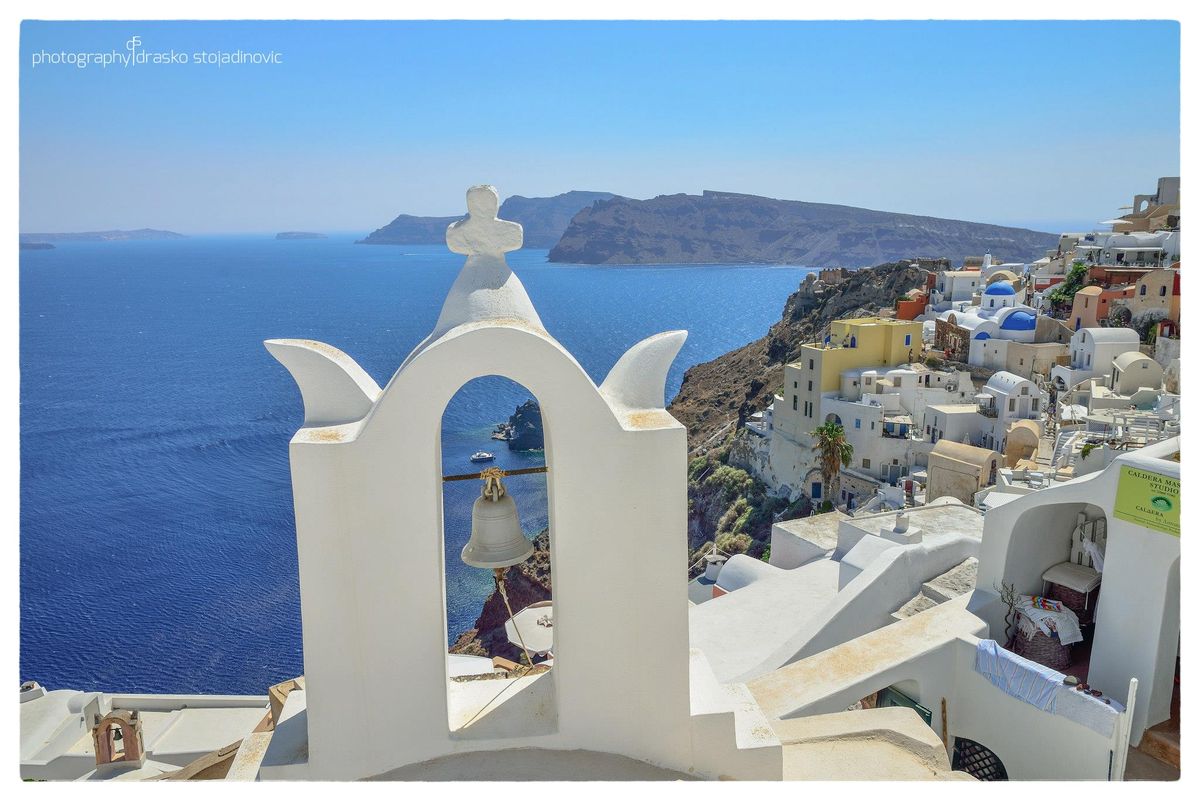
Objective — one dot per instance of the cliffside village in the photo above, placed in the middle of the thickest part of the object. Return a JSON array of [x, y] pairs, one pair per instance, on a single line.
[[988, 588], [991, 380]]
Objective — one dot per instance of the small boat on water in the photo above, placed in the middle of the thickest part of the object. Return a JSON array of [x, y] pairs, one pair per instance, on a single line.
[[482, 456]]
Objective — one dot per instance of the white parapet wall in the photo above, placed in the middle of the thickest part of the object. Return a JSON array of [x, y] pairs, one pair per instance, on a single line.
[[932, 656]]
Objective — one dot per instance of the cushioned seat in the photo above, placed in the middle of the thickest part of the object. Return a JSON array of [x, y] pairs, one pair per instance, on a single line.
[[1076, 577]]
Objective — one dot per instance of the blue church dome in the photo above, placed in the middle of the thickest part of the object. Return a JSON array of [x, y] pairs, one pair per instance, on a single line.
[[1019, 321], [1000, 288]]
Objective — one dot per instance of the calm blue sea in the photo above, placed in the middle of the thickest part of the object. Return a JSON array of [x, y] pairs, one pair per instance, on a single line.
[[157, 532]]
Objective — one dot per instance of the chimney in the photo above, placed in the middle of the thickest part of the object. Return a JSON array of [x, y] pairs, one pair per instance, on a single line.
[[713, 564], [900, 531]]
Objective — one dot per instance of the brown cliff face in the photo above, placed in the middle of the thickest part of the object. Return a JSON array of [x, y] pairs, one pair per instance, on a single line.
[[527, 583], [733, 228], [718, 396]]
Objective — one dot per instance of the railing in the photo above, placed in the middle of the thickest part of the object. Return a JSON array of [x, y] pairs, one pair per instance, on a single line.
[[758, 427]]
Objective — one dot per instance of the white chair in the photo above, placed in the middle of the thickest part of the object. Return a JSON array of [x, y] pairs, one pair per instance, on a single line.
[[1078, 575]]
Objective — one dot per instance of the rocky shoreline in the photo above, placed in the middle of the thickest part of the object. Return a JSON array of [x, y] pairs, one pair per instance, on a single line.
[[523, 431]]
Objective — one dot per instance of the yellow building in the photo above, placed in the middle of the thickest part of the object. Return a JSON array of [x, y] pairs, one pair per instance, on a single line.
[[852, 344]]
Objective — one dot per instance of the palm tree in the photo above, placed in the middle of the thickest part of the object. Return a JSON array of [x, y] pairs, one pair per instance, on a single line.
[[835, 453]]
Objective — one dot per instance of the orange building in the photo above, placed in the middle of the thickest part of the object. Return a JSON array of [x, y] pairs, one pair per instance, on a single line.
[[1091, 305]]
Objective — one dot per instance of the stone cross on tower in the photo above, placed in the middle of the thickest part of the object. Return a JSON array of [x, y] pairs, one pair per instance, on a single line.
[[486, 289], [482, 233]]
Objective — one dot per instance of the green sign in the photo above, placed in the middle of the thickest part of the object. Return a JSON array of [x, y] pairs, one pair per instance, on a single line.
[[1148, 499]]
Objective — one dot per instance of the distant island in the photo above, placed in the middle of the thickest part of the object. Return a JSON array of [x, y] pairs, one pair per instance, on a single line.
[[300, 235], [543, 218], [36, 246], [731, 228], [102, 236]]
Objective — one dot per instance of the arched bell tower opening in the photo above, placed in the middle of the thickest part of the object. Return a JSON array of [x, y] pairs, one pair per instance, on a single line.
[[496, 539]]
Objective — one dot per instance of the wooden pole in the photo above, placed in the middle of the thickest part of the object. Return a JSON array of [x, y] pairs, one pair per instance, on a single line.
[[945, 732]]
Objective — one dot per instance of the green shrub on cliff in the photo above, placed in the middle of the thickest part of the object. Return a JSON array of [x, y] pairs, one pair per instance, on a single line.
[[733, 482], [728, 505]]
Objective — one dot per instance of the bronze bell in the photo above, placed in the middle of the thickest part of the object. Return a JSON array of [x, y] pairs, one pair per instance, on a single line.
[[496, 537]]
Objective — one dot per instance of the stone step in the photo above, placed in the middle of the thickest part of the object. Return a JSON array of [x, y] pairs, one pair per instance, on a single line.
[[1161, 744], [954, 582]]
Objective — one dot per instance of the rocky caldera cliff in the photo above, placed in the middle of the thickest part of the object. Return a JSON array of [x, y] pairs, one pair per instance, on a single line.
[[728, 228], [524, 429], [543, 218], [719, 395]]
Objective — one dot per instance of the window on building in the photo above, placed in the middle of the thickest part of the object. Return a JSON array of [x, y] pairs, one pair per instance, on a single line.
[[872, 425], [795, 385], [1142, 290], [858, 422], [907, 340], [1012, 404], [810, 364], [1034, 404], [810, 386], [1089, 361], [866, 464], [1085, 303], [795, 401], [1162, 291]]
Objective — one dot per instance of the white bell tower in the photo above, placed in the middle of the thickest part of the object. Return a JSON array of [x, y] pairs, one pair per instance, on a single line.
[[367, 486]]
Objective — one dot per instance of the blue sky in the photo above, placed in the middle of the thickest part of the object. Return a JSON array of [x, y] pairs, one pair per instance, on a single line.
[[1043, 124]]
